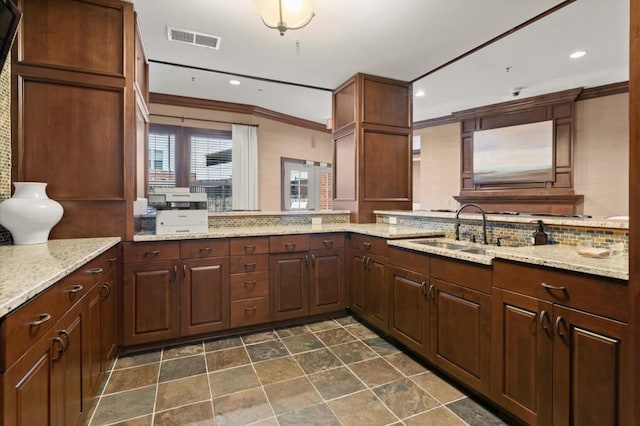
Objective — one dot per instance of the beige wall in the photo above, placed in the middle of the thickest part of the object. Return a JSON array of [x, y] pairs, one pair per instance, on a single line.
[[601, 159], [275, 140]]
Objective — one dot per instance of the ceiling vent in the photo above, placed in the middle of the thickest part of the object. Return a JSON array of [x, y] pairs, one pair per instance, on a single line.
[[193, 38]]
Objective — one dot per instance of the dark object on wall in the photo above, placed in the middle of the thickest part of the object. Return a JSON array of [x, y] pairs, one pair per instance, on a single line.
[[9, 19]]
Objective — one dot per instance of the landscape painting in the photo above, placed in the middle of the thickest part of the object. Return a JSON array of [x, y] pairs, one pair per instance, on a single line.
[[515, 154]]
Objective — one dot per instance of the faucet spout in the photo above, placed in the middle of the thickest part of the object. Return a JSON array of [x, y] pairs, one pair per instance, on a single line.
[[484, 221]]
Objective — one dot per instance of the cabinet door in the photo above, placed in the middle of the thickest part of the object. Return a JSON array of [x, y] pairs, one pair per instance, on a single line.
[[378, 294], [460, 333], [150, 302], [289, 285], [409, 314], [205, 295], [522, 355], [358, 283], [326, 285], [92, 360], [590, 370], [108, 297], [27, 397]]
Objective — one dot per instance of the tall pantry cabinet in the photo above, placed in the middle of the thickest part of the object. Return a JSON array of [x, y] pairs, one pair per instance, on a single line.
[[79, 94]]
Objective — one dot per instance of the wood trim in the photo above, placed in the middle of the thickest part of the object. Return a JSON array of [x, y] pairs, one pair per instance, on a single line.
[[187, 102], [433, 122], [605, 90], [634, 205]]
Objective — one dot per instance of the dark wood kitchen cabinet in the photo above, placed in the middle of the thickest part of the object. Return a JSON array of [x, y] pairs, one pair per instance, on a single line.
[[408, 277], [62, 82], [54, 355], [249, 281], [174, 289], [460, 320], [368, 280], [540, 325], [327, 289], [289, 276]]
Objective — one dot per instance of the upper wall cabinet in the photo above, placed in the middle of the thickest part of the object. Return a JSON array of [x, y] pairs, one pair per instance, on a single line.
[[79, 92]]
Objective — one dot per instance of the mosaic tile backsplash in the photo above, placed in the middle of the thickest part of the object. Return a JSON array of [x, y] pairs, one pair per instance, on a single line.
[[517, 234], [5, 143]]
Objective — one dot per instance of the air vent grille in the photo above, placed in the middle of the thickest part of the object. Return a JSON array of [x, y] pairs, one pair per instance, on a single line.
[[193, 38]]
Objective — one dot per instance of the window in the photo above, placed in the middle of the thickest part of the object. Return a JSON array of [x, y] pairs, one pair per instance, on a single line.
[[306, 185], [197, 158]]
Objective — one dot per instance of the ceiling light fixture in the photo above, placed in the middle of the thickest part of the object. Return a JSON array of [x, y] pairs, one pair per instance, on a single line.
[[284, 15], [420, 93], [234, 82], [578, 54]]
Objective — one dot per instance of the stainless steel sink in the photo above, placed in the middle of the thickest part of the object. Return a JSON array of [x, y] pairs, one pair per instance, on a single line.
[[440, 244], [474, 250]]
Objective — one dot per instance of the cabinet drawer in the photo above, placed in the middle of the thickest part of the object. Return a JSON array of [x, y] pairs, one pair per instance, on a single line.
[[463, 273], [251, 311], [249, 285], [287, 243], [108, 260], [326, 241], [598, 295], [369, 244], [152, 251], [249, 245], [252, 263], [204, 248], [409, 260]]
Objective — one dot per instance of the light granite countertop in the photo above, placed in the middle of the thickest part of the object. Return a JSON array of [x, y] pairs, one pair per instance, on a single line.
[[550, 255], [27, 270], [373, 229]]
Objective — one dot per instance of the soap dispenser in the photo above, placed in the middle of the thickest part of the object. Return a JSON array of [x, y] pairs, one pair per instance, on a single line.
[[539, 237]]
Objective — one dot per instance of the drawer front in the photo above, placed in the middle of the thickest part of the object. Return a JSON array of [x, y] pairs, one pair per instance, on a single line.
[[465, 274], [248, 312], [598, 295], [253, 263], [326, 241], [249, 285], [409, 260], [369, 244], [110, 257], [288, 243], [249, 245], [197, 249], [151, 251]]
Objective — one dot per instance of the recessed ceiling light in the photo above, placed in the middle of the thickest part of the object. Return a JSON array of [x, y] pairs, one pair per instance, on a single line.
[[578, 54], [234, 82], [420, 93]]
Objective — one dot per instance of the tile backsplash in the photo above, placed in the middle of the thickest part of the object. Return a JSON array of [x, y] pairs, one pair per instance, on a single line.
[[5, 142]]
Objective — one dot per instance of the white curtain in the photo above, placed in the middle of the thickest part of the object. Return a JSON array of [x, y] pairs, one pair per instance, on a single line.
[[244, 181]]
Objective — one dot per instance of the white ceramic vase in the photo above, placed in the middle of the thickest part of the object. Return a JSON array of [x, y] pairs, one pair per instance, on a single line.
[[30, 214]]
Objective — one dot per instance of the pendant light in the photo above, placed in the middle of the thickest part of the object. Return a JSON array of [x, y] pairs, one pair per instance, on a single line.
[[284, 15]]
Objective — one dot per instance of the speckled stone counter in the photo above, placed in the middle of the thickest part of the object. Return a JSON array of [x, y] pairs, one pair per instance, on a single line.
[[554, 256], [373, 229], [27, 270]]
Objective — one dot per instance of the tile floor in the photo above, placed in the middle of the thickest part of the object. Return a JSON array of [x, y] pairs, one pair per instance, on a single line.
[[334, 372]]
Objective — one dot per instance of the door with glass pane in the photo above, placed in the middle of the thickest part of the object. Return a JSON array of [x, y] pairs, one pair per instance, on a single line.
[[306, 185]]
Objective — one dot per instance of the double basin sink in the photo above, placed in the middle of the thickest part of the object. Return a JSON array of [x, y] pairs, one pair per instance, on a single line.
[[452, 246]]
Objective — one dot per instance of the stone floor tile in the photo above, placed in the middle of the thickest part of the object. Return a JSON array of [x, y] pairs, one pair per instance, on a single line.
[[362, 408], [353, 352], [131, 378], [375, 372], [277, 370], [474, 414], [292, 395], [317, 415], [360, 331], [182, 392], [138, 359], [138, 421], [323, 325], [182, 350], [200, 414], [292, 331], [440, 416], [407, 365], [346, 320], [266, 350], [381, 346], [232, 380], [182, 367], [336, 383], [264, 336], [335, 336], [437, 387], [302, 343], [242, 408], [227, 358], [122, 406], [405, 398], [318, 360], [224, 343]]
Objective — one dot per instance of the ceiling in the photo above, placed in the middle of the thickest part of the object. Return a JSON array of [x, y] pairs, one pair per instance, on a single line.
[[400, 39]]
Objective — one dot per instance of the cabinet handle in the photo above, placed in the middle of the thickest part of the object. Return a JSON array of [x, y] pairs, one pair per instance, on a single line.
[[249, 267], [364, 262], [94, 271], [106, 290], [290, 246], [67, 339], [560, 324], [367, 246], [251, 283], [550, 287], [207, 249], [249, 248], [423, 288], [313, 260], [152, 253], [175, 272], [75, 289], [60, 348], [184, 271], [251, 309], [43, 318], [306, 261], [328, 243], [432, 294], [112, 259], [544, 322]]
